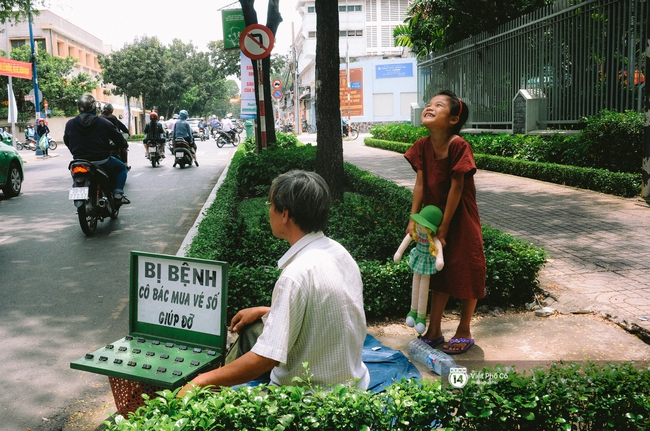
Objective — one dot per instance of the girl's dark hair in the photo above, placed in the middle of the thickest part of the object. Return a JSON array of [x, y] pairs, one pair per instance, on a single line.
[[456, 108]]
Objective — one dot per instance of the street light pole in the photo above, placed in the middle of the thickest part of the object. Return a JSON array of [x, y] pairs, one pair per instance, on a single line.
[[37, 102]]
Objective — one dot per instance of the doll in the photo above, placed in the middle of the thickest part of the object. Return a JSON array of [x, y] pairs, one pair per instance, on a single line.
[[425, 259]]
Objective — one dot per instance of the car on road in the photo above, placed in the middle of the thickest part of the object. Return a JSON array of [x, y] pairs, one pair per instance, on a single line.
[[11, 171], [194, 124]]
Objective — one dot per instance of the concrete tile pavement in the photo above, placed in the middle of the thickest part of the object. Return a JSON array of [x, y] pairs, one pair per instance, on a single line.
[[599, 245]]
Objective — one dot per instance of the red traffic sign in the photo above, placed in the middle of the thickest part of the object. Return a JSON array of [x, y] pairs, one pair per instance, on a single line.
[[256, 41], [277, 94], [276, 83]]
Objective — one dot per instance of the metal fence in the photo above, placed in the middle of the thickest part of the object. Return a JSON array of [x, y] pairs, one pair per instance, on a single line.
[[581, 56]]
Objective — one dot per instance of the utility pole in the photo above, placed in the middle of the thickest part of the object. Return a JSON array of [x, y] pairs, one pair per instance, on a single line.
[[296, 85], [37, 102], [645, 192]]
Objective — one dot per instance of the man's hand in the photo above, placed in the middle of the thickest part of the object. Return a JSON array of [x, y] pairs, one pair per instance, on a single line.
[[246, 317]]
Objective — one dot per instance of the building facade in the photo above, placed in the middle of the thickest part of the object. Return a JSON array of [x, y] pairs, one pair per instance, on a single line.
[[365, 44], [61, 38]]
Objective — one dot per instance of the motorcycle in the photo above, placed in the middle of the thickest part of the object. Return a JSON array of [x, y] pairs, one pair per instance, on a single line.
[[182, 153], [92, 195], [353, 131], [29, 144], [202, 135], [223, 138], [154, 149]]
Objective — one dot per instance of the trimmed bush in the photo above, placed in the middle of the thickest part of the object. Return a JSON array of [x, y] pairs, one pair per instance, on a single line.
[[370, 223], [563, 397], [600, 180]]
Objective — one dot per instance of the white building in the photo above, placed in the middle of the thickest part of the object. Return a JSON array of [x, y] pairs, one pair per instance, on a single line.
[[365, 37]]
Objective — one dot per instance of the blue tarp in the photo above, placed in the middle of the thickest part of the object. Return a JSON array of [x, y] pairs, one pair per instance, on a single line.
[[386, 365]]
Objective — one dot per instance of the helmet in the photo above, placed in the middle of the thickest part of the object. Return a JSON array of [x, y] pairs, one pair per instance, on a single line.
[[162, 118], [183, 115], [41, 120], [87, 103], [108, 108], [153, 116], [214, 117], [175, 116], [229, 115]]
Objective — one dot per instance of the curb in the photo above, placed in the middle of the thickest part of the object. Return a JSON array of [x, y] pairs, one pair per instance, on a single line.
[[185, 245]]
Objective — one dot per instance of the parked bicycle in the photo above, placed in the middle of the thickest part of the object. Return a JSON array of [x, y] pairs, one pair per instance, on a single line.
[[308, 128]]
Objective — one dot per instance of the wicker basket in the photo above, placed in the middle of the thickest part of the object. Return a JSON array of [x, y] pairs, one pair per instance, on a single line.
[[128, 394]]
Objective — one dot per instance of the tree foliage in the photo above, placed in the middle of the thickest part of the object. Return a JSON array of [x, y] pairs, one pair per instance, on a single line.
[[16, 10], [136, 70], [436, 24], [56, 80]]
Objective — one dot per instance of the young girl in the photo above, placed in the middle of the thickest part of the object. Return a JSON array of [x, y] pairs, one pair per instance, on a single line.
[[425, 259], [445, 168]]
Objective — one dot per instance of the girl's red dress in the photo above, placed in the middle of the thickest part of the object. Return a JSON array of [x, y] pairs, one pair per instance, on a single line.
[[464, 273]]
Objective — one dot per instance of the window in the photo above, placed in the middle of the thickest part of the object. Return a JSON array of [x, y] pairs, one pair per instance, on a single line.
[[351, 33], [311, 9], [341, 8], [342, 33], [359, 32], [311, 35]]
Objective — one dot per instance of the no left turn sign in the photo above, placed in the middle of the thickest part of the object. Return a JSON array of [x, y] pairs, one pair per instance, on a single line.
[[256, 41]]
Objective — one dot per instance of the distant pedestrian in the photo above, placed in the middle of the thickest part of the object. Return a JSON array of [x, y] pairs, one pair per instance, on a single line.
[[41, 131], [445, 168]]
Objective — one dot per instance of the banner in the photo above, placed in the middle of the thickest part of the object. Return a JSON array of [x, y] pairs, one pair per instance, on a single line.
[[233, 24], [248, 105], [17, 69], [355, 106]]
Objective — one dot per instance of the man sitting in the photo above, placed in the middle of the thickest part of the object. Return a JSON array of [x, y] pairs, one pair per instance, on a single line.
[[316, 314]]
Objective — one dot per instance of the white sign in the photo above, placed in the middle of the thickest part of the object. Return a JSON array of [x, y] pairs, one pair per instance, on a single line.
[[180, 294]]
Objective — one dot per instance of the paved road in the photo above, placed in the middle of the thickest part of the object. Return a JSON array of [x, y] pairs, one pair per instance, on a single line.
[[63, 294]]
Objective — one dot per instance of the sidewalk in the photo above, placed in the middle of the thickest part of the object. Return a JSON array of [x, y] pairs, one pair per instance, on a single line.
[[598, 271]]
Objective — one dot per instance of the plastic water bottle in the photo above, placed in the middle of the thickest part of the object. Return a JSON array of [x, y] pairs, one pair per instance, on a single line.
[[437, 361]]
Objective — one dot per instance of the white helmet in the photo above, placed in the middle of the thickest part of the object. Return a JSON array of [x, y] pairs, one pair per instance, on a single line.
[[229, 115]]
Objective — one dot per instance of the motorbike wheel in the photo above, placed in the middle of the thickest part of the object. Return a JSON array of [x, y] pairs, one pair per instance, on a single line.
[[153, 161], [354, 133], [53, 144], [221, 141], [87, 221], [235, 141], [19, 145]]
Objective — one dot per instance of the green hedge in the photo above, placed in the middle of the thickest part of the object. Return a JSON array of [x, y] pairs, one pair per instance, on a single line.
[[563, 397], [370, 223], [609, 140], [599, 180]]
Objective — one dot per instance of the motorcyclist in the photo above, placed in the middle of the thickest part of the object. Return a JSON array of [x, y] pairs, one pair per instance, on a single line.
[[227, 127], [88, 137], [30, 134], [154, 131], [215, 125], [183, 130], [107, 112]]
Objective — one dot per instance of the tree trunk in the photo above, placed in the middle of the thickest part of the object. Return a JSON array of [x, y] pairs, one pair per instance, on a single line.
[[329, 152]]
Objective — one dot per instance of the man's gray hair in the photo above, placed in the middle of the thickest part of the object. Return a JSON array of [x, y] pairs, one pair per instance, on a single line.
[[305, 195]]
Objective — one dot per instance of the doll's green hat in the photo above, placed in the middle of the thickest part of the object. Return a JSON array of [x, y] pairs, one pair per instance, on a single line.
[[430, 216]]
